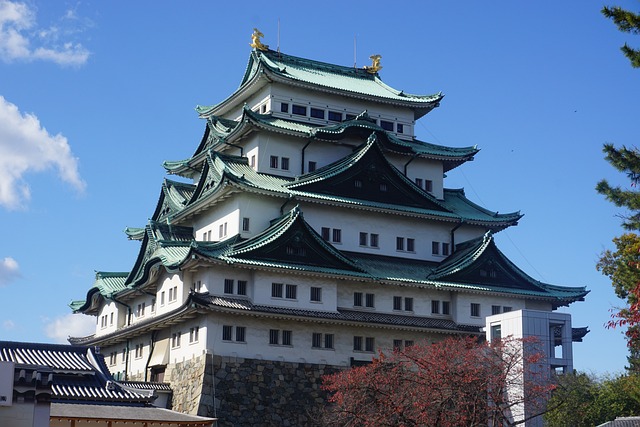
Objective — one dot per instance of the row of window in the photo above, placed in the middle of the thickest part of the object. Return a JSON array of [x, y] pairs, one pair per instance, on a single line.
[[222, 230], [333, 116]]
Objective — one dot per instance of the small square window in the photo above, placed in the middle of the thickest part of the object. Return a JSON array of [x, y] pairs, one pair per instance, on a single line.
[[475, 309], [428, 185], [274, 336], [312, 166], [419, 182], [284, 163], [337, 235], [286, 337], [364, 238], [228, 286], [273, 162], [399, 128], [397, 344], [370, 300], [495, 309], [435, 248], [226, 332], [383, 186], [369, 344], [357, 183], [435, 307], [316, 340], [299, 110], [386, 125], [291, 291], [245, 224], [445, 248], [445, 307], [373, 239], [240, 333], [335, 116], [408, 343], [317, 113], [357, 343], [408, 304], [397, 303], [252, 163], [284, 107], [506, 309], [400, 243], [242, 287], [411, 245], [325, 233], [328, 340]]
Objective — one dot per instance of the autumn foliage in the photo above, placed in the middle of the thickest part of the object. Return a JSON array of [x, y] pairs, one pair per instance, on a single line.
[[455, 382]]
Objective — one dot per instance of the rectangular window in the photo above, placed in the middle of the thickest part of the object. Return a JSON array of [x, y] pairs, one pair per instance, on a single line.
[[291, 291], [506, 309], [386, 125], [408, 304], [317, 113], [138, 353], [286, 337], [399, 128], [193, 334], [400, 243], [240, 333], [284, 107], [274, 162], [175, 293], [335, 116], [435, 307], [222, 230], [370, 300], [253, 161], [228, 286], [204, 237], [325, 233], [316, 340], [316, 294], [276, 290], [312, 166], [435, 248], [411, 245], [408, 343], [274, 336], [475, 309], [419, 182], [397, 303], [153, 308], [373, 240], [397, 344], [209, 235], [111, 315], [495, 309], [428, 185], [299, 110], [357, 299], [445, 307], [445, 248], [364, 238], [337, 235], [242, 287], [245, 224], [357, 343], [284, 163], [369, 344], [328, 340], [383, 186], [357, 183], [226, 332], [175, 340], [162, 298]]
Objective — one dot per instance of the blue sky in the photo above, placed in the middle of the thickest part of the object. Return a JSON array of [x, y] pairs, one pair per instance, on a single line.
[[95, 95]]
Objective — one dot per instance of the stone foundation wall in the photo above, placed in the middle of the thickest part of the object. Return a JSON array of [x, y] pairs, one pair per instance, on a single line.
[[249, 392]]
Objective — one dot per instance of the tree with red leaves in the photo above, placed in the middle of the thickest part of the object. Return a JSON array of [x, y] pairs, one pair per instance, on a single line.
[[454, 382]]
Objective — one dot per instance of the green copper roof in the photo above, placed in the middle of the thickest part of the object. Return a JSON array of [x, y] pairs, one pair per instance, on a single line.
[[322, 76], [106, 285]]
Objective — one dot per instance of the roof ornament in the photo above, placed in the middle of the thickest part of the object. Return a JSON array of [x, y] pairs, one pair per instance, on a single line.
[[375, 64], [255, 40]]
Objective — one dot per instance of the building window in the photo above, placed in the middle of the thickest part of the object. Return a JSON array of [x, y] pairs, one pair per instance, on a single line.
[[435, 307], [475, 309], [153, 308], [328, 340], [435, 248], [337, 235], [357, 299], [299, 110], [428, 185], [222, 230], [445, 249], [408, 304], [316, 294], [138, 353], [325, 233], [370, 300], [312, 166], [194, 334], [317, 113], [175, 340], [411, 245], [446, 307], [495, 309], [397, 344], [364, 239], [400, 243], [245, 224], [335, 116], [357, 183], [357, 343], [316, 340], [208, 235], [252, 162], [242, 287], [276, 290], [419, 182], [228, 335], [383, 186], [274, 336], [273, 162], [284, 107], [506, 309], [161, 298], [408, 343], [112, 358], [286, 337], [291, 291], [386, 125], [228, 286], [397, 303], [111, 315], [369, 344], [373, 240], [140, 310], [400, 128], [284, 163]]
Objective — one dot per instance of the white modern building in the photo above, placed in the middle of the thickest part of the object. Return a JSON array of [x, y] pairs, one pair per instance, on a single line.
[[309, 229]]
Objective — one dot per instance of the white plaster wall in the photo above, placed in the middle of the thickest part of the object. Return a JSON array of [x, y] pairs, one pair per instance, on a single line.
[[165, 282], [423, 169], [262, 291], [463, 301]]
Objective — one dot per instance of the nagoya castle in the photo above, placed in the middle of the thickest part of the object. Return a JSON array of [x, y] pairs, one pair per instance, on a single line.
[[309, 230]]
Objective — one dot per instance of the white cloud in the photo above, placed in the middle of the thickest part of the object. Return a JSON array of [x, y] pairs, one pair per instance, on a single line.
[[19, 32], [8, 324], [70, 325], [9, 271], [26, 146]]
